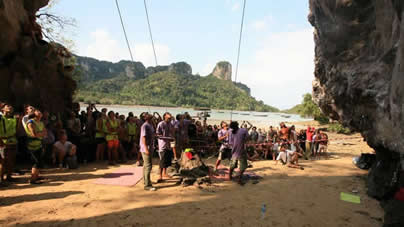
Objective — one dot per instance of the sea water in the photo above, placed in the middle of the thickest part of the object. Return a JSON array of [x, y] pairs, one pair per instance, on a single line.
[[256, 118]]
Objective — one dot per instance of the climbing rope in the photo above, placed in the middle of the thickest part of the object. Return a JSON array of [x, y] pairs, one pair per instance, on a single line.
[[238, 52], [124, 30], [150, 31]]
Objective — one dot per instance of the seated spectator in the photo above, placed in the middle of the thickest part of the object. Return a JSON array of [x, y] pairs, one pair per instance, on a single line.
[[282, 156], [63, 148], [293, 156]]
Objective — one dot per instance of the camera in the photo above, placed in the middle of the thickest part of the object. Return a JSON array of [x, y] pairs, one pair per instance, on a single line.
[[203, 115]]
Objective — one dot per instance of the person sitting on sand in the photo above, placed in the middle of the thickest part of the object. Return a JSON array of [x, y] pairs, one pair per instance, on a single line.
[[293, 156], [237, 139], [282, 156], [62, 148], [164, 133], [223, 137]]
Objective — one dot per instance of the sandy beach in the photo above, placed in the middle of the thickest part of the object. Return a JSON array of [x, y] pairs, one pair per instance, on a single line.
[[309, 197]]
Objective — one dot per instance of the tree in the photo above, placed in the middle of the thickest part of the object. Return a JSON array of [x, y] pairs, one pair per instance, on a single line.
[[55, 27], [310, 109]]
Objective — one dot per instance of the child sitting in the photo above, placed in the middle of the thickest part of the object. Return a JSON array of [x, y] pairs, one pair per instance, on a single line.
[[63, 148]]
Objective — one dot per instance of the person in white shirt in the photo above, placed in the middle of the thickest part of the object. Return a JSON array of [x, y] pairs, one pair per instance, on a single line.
[[62, 148]]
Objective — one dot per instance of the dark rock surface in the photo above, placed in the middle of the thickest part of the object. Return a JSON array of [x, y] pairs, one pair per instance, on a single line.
[[360, 76], [31, 70]]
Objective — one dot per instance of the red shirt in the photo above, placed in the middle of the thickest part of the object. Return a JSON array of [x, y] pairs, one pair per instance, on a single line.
[[309, 134]]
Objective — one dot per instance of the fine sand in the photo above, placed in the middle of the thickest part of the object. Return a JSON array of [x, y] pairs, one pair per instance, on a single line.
[[309, 197]]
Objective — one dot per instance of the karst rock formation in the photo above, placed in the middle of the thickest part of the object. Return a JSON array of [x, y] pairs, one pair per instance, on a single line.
[[32, 71], [359, 80], [222, 70]]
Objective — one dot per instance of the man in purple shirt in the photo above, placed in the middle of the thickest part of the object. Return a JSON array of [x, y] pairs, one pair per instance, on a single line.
[[165, 136], [237, 138], [146, 148]]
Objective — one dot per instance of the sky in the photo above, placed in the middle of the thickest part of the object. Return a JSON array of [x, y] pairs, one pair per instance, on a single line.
[[277, 52]]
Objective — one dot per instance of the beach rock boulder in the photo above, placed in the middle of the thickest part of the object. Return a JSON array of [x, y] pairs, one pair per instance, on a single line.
[[359, 76], [223, 70], [32, 70], [193, 170]]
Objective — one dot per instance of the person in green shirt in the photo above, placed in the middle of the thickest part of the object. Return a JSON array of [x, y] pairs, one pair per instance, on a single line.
[[8, 142], [36, 131]]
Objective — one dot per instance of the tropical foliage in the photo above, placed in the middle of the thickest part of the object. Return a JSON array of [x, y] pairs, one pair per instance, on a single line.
[[171, 89]]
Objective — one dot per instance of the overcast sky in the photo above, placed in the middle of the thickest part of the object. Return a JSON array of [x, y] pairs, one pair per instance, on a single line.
[[277, 50]]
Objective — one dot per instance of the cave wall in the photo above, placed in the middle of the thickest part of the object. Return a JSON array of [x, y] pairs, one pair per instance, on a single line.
[[359, 78], [31, 70]]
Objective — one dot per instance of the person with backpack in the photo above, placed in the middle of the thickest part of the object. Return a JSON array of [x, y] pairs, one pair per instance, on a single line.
[[64, 151]]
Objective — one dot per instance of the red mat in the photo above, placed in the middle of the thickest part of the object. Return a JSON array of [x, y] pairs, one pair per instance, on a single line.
[[122, 177]]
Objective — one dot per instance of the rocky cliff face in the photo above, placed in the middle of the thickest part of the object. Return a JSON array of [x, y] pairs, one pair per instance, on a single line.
[[360, 77], [180, 68], [32, 70], [222, 70], [93, 69]]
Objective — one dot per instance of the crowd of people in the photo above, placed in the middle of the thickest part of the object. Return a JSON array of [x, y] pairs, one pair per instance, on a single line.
[[99, 136]]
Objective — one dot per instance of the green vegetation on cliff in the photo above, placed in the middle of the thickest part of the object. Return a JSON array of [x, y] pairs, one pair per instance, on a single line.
[[166, 88], [294, 110], [308, 109]]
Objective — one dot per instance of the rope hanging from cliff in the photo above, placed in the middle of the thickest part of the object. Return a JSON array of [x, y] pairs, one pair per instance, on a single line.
[[239, 42], [238, 51], [124, 30], [150, 31]]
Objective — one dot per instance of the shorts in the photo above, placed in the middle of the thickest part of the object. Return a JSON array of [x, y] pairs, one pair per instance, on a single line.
[[322, 147], [36, 158], [224, 153], [166, 157], [100, 140], [113, 144], [241, 163]]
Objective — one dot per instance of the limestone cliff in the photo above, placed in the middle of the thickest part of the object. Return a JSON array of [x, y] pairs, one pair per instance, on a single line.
[[31, 70], [360, 77], [222, 70]]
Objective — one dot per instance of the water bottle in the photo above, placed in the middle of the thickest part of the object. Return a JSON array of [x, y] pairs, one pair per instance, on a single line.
[[263, 210]]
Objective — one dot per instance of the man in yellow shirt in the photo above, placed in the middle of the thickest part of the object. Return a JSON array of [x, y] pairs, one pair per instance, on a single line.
[[8, 142]]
